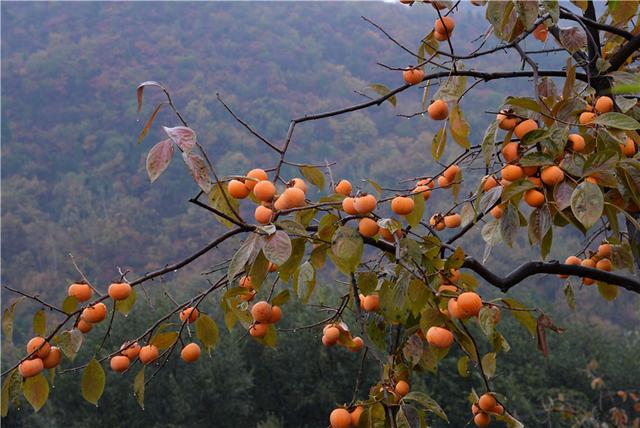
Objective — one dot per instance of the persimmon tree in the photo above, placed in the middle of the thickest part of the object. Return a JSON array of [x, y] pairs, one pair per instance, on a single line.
[[564, 157]]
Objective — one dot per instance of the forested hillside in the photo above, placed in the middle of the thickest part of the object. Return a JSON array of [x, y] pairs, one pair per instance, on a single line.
[[73, 181]]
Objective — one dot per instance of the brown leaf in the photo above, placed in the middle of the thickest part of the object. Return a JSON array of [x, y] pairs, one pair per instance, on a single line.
[[198, 170], [159, 158], [573, 39], [543, 323], [140, 90]]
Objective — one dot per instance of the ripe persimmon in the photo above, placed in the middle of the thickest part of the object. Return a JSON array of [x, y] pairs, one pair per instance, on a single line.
[[293, 197], [628, 148], [455, 310], [368, 227], [498, 410], [402, 205], [437, 222], [29, 368], [190, 353], [272, 267], [497, 212], [148, 354], [340, 418], [344, 188], [524, 127], [441, 37], [470, 303], [439, 337], [356, 344], [552, 175], [487, 402], [423, 190], [536, 181], [530, 171], [355, 415], [332, 334], [258, 330], [604, 104], [412, 76], [371, 303], [95, 313], [41, 345], [604, 250], [426, 182], [80, 290], [451, 172], [512, 172], [534, 198], [258, 174], [53, 359], [264, 190], [482, 420], [130, 350], [444, 25], [452, 220], [604, 264], [541, 32], [119, 363], [261, 311], [365, 204], [276, 315], [348, 207], [237, 189], [402, 388], [444, 182], [571, 260], [189, 313], [119, 290], [586, 118], [510, 152], [577, 143], [590, 263], [447, 288], [505, 121], [84, 327], [299, 183], [263, 214], [489, 182], [387, 236], [438, 110]]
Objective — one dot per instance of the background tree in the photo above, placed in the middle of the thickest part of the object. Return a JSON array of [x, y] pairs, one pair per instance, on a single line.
[[420, 274]]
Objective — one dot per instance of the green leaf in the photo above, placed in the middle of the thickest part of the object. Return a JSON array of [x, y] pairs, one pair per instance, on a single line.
[[523, 316], [509, 224], [70, 304], [40, 323], [305, 282], [367, 282], [569, 296], [618, 121], [314, 175], [138, 388], [489, 364], [277, 248], [93, 381], [347, 246], [488, 142], [527, 12], [536, 159], [10, 381], [455, 260], [164, 340], [526, 103], [587, 203], [418, 210], [291, 265], [608, 291], [70, 342], [245, 254], [259, 270], [459, 127], [207, 331], [426, 402], [487, 320], [217, 201], [125, 306], [281, 298], [463, 366], [515, 189], [382, 90], [439, 142], [36, 391]]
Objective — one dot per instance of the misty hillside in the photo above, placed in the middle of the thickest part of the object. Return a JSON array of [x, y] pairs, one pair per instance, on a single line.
[[74, 179]]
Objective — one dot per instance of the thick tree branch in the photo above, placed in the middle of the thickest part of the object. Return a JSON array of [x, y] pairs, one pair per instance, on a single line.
[[624, 52], [565, 14]]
